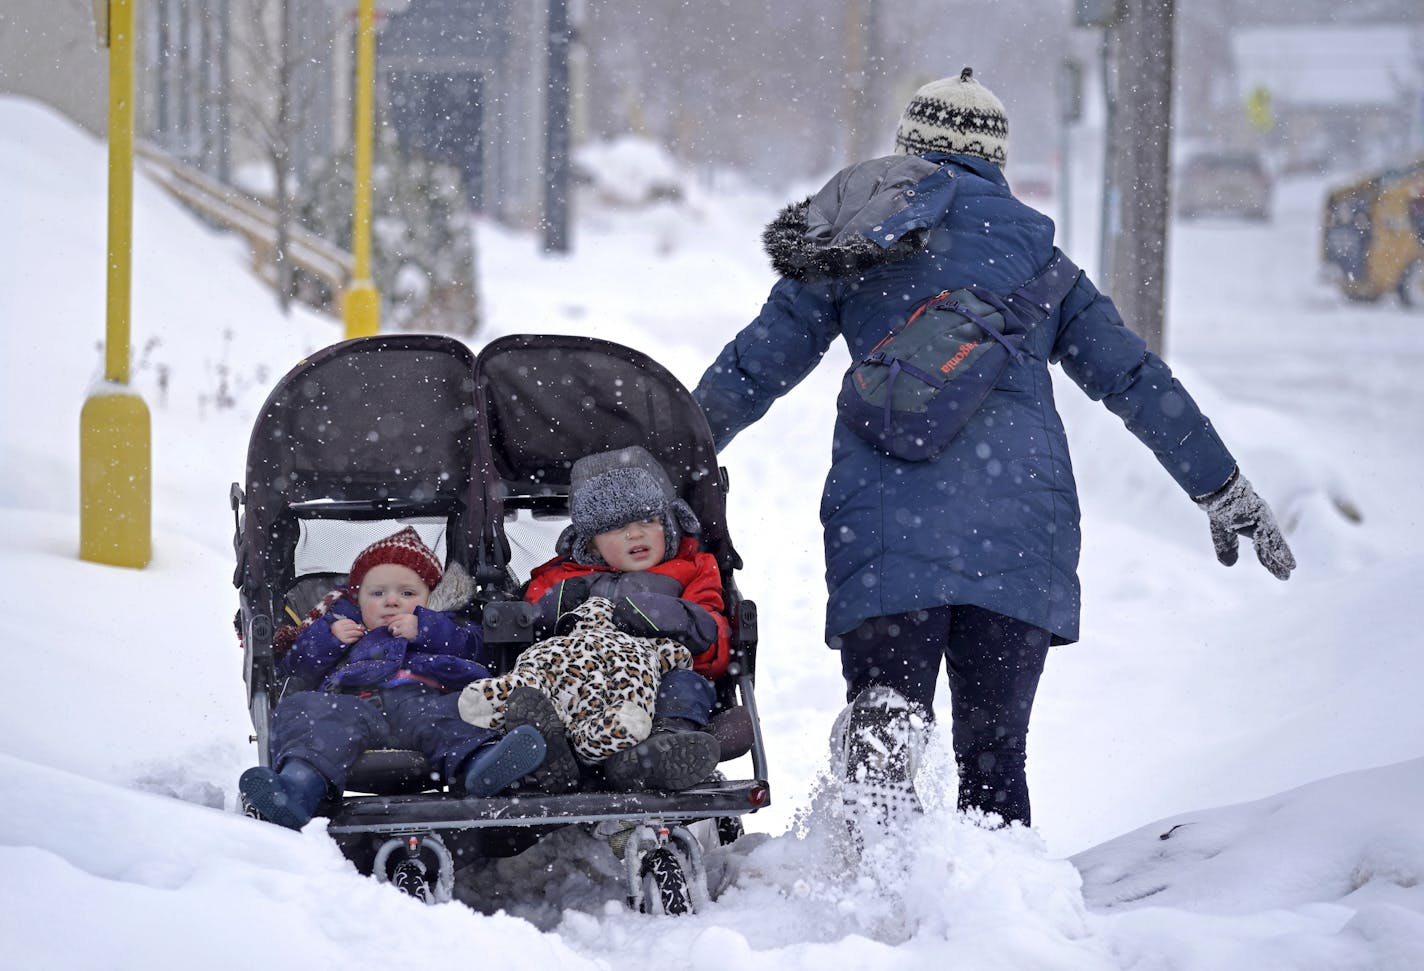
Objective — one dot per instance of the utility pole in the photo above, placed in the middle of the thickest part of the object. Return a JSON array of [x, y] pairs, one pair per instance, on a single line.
[[224, 101], [556, 132], [864, 69], [1139, 141], [1070, 112]]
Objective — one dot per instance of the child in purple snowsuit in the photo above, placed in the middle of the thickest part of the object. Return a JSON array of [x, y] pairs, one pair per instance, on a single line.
[[389, 669]]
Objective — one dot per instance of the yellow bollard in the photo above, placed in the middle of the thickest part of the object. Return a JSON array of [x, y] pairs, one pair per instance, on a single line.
[[361, 304], [361, 309], [115, 490], [115, 494]]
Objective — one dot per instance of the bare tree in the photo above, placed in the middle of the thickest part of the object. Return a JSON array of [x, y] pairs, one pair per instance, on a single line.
[[273, 102]]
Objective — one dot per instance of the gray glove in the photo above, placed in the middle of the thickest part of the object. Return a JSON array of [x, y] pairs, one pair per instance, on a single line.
[[554, 610], [658, 615], [1234, 510]]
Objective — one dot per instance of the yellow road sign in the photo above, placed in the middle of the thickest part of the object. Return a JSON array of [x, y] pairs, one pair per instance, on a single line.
[[1258, 109]]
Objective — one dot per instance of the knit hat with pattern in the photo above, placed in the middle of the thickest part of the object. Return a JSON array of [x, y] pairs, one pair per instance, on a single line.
[[612, 489], [403, 549], [957, 115]]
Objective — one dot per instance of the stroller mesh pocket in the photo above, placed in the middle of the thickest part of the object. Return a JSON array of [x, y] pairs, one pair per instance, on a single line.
[[330, 545]]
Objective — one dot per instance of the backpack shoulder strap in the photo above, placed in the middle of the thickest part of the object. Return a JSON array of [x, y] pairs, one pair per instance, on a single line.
[[1040, 296]]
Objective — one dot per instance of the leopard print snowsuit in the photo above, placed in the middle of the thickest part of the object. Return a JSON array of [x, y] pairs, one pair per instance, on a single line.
[[603, 682]]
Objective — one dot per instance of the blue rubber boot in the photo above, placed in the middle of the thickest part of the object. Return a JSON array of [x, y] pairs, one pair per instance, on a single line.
[[288, 798], [498, 765]]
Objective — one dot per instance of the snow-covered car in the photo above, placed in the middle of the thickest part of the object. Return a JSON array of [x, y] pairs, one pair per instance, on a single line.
[[1231, 184]]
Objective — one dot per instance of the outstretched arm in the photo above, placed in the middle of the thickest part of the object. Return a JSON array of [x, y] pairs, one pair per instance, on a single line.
[[768, 358], [1113, 365]]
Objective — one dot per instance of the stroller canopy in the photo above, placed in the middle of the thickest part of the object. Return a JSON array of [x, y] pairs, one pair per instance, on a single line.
[[387, 420], [549, 400]]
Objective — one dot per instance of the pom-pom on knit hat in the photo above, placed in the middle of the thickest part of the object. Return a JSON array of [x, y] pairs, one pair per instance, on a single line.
[[612, 489], [957, 115], [403, 549]]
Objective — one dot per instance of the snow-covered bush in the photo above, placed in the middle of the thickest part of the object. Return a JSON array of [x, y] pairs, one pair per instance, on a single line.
[[629, 171], [422, 241]]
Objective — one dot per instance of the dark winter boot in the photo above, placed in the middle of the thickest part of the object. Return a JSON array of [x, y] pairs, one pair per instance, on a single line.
[[288, 798], [732, 728], [498, 765], [879, 744], [663, 723], [560, 771], [669, 759]]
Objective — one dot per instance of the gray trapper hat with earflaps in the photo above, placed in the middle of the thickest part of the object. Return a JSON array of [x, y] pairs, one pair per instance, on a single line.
[[612, 489]]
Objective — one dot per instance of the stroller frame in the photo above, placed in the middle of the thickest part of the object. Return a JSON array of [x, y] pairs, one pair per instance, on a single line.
[[480, 439]]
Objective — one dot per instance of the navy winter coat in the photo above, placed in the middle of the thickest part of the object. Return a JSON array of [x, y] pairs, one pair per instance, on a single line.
[[993, 520], [443, 653]]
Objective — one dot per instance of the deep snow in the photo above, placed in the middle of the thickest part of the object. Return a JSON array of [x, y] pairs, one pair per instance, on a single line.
[[1227, 770]]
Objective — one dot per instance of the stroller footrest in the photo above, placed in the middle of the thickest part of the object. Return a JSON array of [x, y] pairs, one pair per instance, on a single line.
[[397, 814]]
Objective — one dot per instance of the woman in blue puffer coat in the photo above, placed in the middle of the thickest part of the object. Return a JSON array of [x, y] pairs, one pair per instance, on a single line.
[[972, 555]]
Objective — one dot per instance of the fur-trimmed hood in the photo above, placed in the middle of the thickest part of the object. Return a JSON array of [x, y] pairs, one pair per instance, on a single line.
[[870, 214]]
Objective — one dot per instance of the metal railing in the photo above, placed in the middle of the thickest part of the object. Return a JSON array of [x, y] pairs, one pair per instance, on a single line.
[[321, 268]]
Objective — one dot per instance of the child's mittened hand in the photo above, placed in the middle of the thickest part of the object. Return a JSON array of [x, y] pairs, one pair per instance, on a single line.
[[346, 630], [406, 625]]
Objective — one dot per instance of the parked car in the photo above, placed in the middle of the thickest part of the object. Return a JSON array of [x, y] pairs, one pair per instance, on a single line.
[[1232, 184], [1372, 240]]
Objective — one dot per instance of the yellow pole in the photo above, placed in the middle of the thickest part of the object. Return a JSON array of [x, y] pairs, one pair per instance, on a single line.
[[116, 497], [362, 304], [121, 121]]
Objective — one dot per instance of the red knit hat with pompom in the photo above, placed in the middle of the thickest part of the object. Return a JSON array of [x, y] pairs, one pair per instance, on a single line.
[[403, 549]]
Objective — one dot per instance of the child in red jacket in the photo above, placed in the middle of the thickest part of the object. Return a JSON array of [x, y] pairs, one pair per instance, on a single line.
[[632, 543]]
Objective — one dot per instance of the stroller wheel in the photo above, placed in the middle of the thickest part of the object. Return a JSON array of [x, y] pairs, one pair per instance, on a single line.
[[729, 829], [664, 885], [409, 878], [418, 865]]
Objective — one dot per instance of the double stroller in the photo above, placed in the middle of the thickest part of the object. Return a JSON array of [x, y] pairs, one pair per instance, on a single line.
[[474, 452]]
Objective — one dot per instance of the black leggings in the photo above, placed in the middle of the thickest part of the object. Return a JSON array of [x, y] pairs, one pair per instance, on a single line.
[[993, 663]]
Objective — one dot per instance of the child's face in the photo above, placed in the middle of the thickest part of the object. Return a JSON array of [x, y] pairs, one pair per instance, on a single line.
[[635, 546], [389, 590]]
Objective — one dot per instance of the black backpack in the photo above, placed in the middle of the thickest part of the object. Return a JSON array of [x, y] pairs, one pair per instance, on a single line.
[[915, 390]]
